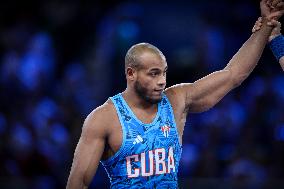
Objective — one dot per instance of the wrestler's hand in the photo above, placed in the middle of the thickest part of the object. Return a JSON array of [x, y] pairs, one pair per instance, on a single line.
[[276, 30], [257, 25], [274, 23], [271, 9]]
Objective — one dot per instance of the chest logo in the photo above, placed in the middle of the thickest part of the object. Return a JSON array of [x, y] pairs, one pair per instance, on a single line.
[[166, 130], [138, 139], [154, 162]]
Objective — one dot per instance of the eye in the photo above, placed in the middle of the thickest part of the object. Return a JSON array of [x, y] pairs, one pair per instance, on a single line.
[[153, 74]]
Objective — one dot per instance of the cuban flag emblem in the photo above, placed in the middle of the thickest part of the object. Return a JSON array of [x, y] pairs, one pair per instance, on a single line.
[[166, 130]]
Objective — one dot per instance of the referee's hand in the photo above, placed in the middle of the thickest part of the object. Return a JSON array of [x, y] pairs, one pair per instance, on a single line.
[[274, 23]]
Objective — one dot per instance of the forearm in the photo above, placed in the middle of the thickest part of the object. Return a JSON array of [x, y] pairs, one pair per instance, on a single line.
[[84, 165], [76, 182], [245, 60], [82, 170], [76, 185]]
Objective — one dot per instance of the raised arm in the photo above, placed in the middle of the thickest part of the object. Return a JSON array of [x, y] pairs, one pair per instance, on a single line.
[[88, 151], [206, 92], [276, 42]]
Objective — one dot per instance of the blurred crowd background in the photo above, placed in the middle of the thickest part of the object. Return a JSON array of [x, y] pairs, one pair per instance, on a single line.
[[61, 59]]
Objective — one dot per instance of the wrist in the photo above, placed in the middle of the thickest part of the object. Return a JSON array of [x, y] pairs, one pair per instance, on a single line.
[[277, 46], [265, 20], [271, 37]]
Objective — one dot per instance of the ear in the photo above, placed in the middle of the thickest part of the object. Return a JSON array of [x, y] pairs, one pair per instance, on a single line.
[[131, 73]]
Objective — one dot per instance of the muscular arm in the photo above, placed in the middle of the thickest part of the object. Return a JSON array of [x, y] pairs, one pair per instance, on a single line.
[[206, 92], [88, 151]]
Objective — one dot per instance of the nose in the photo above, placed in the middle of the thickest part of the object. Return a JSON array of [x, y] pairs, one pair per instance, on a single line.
[[162, 80]]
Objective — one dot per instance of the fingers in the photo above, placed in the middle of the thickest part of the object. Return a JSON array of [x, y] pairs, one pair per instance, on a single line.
[[275, 3], [268, 3], [277, 11], [278, 24], [280, 6], [257, 25], [256, 28], [275, 15], [274, 23], [276, 31]]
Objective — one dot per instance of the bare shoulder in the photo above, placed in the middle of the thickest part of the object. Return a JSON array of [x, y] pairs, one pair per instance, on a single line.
[[98, 121], [101, 113], [177, 94]]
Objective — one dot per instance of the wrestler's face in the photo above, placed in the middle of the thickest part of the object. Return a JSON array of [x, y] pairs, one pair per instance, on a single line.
[[151, 77]]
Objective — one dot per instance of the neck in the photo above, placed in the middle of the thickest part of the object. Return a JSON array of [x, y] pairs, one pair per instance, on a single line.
[[134, 100]]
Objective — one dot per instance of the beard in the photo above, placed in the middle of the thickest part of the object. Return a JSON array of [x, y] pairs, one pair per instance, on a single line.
[[143, 93]]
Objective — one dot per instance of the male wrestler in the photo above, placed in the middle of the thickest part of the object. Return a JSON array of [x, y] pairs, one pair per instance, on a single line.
[[137, 134]]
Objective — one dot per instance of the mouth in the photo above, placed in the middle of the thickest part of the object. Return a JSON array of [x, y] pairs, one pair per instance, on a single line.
[[159, 91]]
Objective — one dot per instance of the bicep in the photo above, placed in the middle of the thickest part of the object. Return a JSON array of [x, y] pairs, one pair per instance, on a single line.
[[207, 91], [87, 154]]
